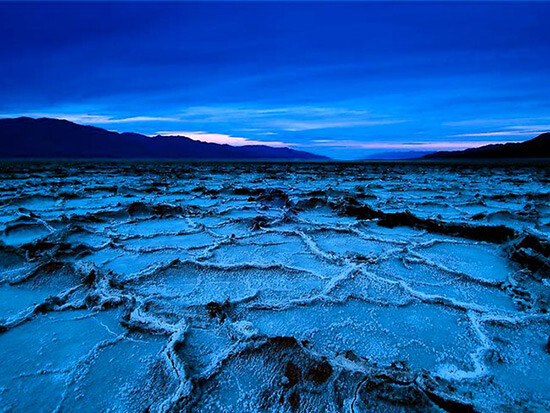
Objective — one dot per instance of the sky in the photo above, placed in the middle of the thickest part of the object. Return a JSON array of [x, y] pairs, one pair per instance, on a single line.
[[344, 80]]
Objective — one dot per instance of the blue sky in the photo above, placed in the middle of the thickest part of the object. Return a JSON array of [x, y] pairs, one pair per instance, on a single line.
[[341, 79]]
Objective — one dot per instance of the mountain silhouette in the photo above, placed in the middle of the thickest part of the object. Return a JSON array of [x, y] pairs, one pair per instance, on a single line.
[[60, 139], [538, 147]]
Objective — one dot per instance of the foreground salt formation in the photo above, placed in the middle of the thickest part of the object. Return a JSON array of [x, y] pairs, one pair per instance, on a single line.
[[246, 287]]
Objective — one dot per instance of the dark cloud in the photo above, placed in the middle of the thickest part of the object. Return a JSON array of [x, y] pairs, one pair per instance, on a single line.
[[427, 63]]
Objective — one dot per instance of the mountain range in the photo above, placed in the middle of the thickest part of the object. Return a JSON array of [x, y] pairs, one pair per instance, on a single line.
[[47, 138], [395, 155], [536, 148]]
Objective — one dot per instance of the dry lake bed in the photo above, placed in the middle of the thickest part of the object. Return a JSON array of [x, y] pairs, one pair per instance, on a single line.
[[274, 287]]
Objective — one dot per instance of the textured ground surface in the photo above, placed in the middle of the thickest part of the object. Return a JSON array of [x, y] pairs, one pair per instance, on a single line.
[[225, 287]]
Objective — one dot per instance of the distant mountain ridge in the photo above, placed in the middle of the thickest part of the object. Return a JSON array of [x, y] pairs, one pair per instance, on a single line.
[[396, 155], [535, 148], [47, 138]]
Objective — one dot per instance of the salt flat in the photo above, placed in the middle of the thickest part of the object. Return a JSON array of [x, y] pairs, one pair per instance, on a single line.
[[274, 287]]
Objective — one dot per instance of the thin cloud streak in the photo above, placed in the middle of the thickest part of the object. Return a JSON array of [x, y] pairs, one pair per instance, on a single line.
[[223, 139], [352, 144], [529, 133], [291, 126], [482, 134], [93, 119], [218, 113], [290, 119], [498, 122]]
